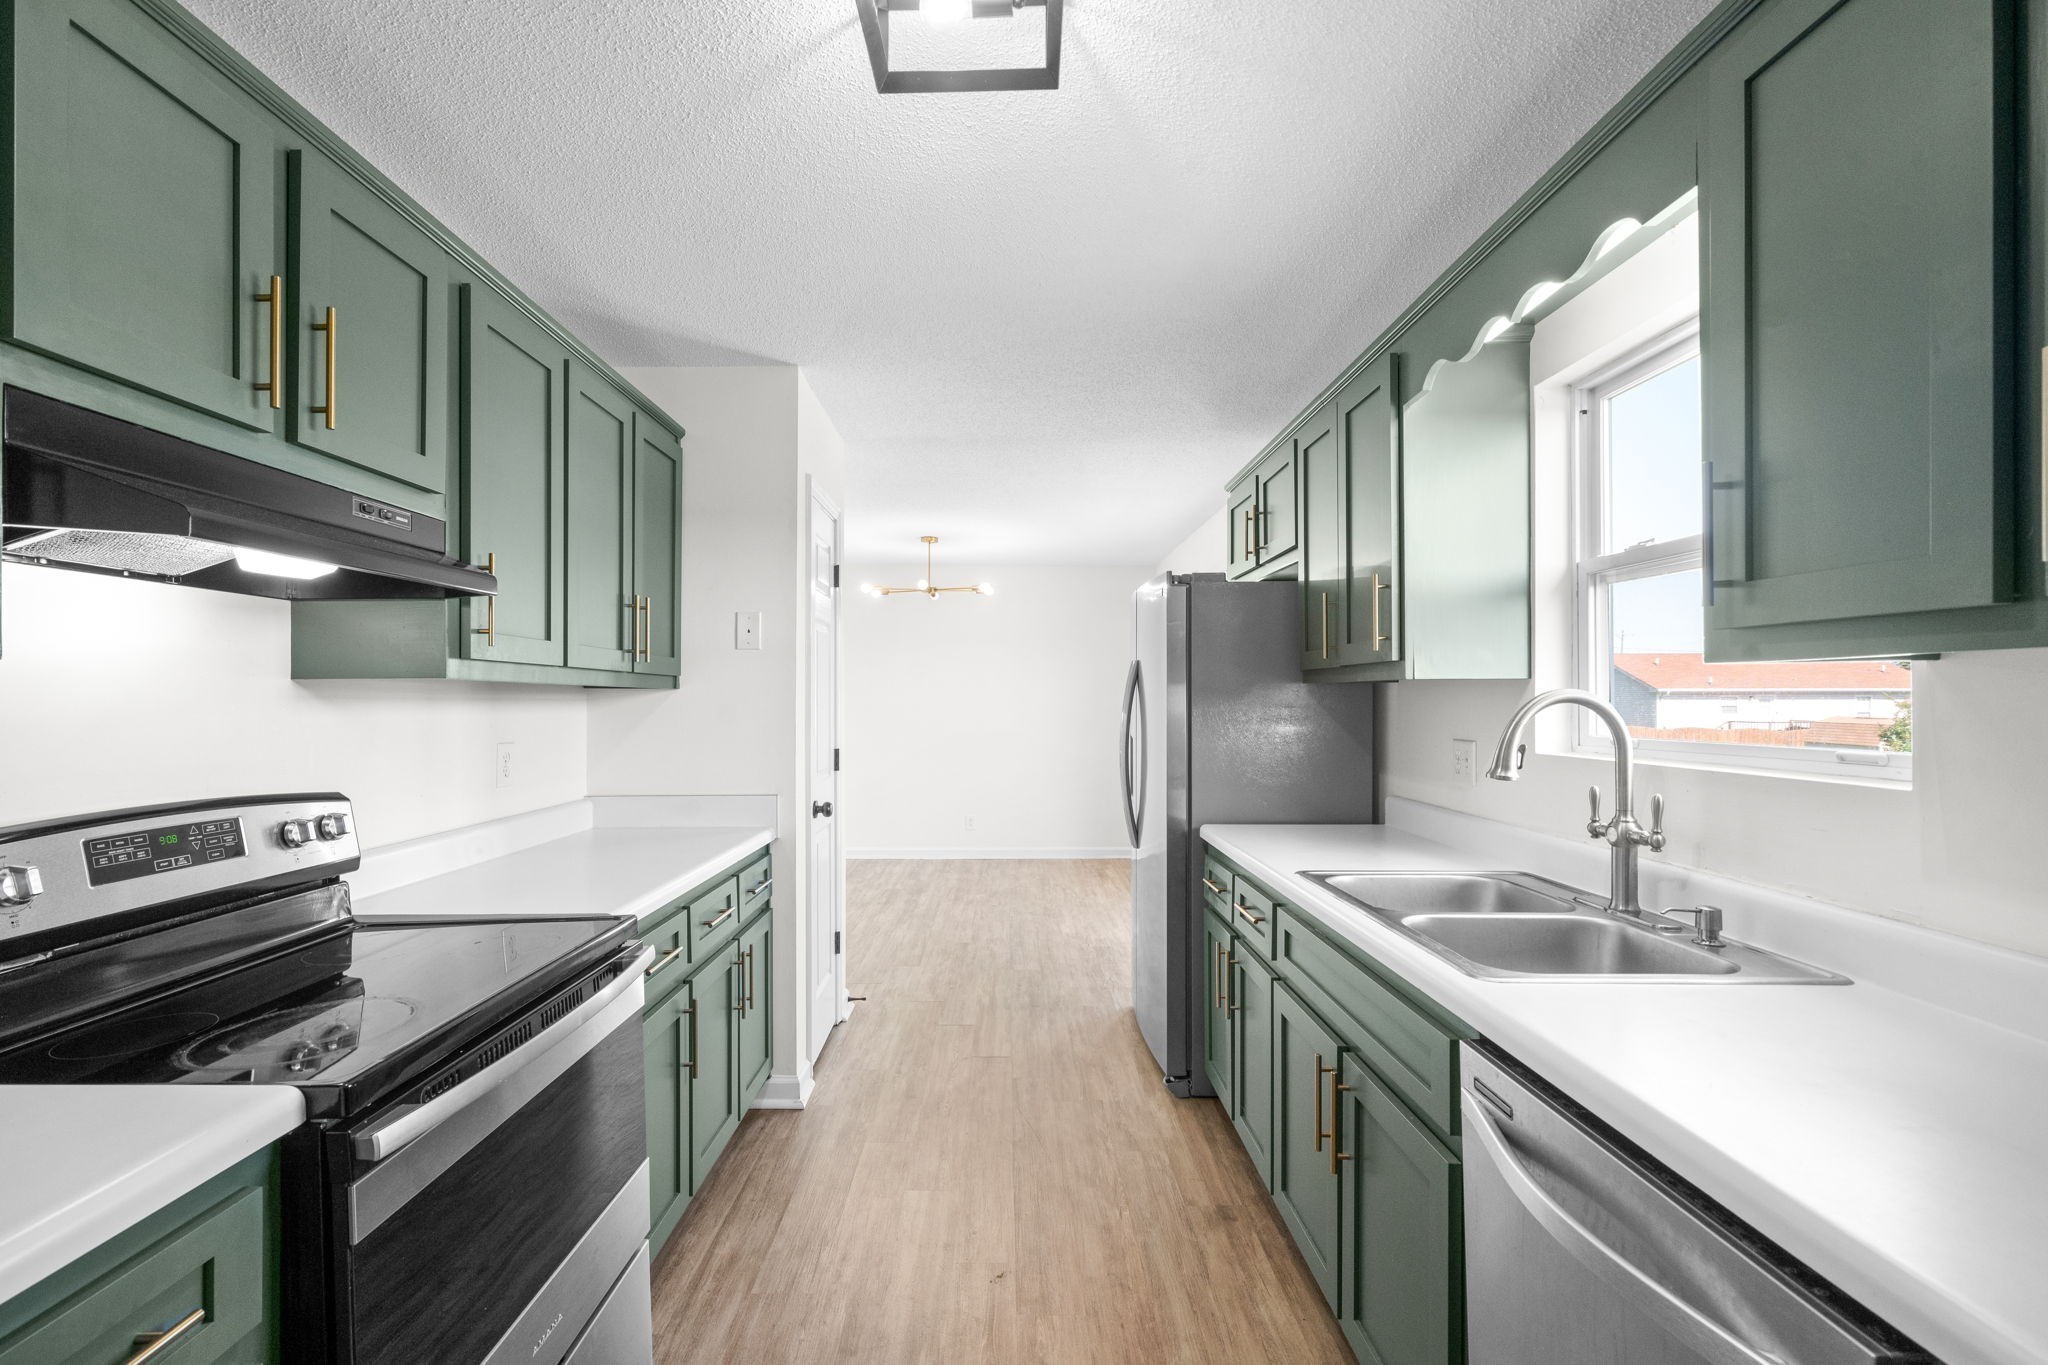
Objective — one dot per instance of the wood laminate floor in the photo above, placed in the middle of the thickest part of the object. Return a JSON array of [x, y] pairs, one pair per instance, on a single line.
[[990, 1169]]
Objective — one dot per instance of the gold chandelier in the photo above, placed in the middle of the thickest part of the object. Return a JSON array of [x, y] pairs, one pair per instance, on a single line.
[[925, 587]]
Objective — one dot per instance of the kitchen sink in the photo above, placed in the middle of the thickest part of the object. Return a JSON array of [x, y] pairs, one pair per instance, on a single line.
[[1515, 926]]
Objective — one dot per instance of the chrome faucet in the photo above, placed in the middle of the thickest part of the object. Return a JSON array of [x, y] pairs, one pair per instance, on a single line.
[[1623, 835]]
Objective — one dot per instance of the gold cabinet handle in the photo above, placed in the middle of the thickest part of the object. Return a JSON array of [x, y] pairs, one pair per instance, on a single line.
[[274, 386], [1326, 625], [332, 326], [154, 1344], [1230, 1005], [1378, 587], [738, 978], [639, 603], [721, 917], [1336, 1119], [489, 629], [1214, 888], [1245, 911], [670, 956], [1222, 980], [1322, 1071], [758, 887], [647, 649], [750, 979], [692, 1012]]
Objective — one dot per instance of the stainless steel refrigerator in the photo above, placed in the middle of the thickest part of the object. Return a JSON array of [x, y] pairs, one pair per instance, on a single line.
[[1219, 728]]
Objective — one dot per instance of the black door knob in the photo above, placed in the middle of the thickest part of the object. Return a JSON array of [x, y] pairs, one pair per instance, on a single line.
[[821, 808]]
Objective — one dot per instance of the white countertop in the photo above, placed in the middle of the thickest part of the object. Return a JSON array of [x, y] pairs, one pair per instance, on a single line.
[[605, 870], [86, 1162], [1898, 1146]]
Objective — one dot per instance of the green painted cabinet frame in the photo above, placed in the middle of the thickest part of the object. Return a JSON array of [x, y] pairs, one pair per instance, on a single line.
[[603, 606], [1351, 524], [658, 545], [1242, 502]]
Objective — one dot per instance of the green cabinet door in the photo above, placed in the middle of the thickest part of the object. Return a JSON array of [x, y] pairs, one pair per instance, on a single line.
[[1217, 1058], [1368, 424], [657, 545], [757, 1008], [1857, 185], [1401, 1274], [144, 209], [370, 299], [714, 1083], [1243, 502], [513, 471], [1324, 568], [1306, 1072], [1251, 1014], [666, 1034], [1277, 523], [602, 613]]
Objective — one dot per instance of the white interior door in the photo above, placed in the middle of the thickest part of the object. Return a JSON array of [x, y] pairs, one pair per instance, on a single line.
[[827, 958]]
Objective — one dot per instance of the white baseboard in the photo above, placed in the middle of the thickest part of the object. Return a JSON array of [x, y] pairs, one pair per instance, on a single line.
[[786, 1092], [1065, 853]]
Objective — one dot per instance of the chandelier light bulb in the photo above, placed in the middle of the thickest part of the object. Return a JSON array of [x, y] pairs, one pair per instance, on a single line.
[[986, 589], [923, 584]]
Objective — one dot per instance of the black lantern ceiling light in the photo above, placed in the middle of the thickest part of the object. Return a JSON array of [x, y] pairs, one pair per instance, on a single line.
[[874, 25]]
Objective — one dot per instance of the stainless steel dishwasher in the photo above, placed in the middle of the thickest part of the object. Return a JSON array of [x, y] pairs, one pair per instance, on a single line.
[[1582, 1250]]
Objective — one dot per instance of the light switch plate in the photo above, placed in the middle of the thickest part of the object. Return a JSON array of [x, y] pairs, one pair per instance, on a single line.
[[1465, 761], [746, 630]]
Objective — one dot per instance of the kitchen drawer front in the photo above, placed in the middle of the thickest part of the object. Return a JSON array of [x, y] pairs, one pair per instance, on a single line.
[[668, 935], [212, 1265], [1252, 914], [757, 885], [1216, 875], [712, 918], [1416, 1056]]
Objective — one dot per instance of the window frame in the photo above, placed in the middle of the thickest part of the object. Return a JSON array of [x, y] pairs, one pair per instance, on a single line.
[[1596, 570]]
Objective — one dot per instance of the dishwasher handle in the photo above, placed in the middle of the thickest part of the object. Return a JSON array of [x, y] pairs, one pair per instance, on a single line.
[[1708, 1338]]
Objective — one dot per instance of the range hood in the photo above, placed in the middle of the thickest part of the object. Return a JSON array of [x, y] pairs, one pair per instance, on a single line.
[[81, 490]]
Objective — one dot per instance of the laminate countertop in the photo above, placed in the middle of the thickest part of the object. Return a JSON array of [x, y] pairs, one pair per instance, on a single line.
[[86, 1162], [1896, 1144]]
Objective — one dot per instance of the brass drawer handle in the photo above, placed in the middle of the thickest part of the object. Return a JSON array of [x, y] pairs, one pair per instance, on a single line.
[[721, 917], [1378, 587], [643, 632], [1251, 547], [1229, 984], [758, 887], [1336, 1118], [737, 976], [692, 1012], [274, 386], [1220, 891], [670, 956], [1322, 1071], [489, 629], [332, 326], [1326, 625], [749, 956], [1245, 911], [154, 1344], [1222, 979]]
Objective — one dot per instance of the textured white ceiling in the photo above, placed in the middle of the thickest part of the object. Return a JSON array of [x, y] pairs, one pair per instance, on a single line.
[[1048, 324]]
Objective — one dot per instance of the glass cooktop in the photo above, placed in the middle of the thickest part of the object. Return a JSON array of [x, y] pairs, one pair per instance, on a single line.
[[347, 1018]]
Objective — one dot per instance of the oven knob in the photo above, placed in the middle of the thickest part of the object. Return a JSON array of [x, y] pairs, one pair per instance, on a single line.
[[300, 1056], [20, 884], [337, 1037], [332, 825], [293, 833]]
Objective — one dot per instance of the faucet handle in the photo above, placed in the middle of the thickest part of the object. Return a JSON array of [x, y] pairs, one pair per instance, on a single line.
[[1656, 839], [1594, 826]]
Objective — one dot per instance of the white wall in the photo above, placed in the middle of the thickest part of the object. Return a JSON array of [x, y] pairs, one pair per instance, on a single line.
[[118, 692], [1000, 710], [1206, 550], [1958, 851]]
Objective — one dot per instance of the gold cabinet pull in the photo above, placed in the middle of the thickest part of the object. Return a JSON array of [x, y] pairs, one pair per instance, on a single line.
[[1251, 545], [154, 1344], [1230, 1005], [670, 956], [647, 649], [1322, 1071], [332, 326], [274, 386], [1378, 587], [1222, 981], [692, 1012], [758, 887], [750, 978], [1336, 1121], [1245, 911], [1218, 890], [1326, 625], [721, 917], [489, 629]]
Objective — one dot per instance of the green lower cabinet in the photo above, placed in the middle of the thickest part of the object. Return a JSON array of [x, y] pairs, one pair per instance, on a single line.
[[205, 1268], [713, 1066], [667, 1038], [755, 1046], [1251, 1017], [1401, 1249], [1307, 1062], [1216, 1050]]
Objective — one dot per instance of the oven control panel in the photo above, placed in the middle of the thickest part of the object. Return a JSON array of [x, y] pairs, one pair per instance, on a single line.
[[166, 848]]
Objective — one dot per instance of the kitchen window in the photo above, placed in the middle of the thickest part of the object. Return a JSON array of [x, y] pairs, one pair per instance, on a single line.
[[1640, 624]]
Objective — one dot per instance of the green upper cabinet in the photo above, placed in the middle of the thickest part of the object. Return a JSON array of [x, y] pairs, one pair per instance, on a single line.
[[1858, 186], [370, 297], [604, 616], [1243, 503], [657, 545], [145, 221], [513, 474], [1320, 527], [1277, 522], [1368, 415]]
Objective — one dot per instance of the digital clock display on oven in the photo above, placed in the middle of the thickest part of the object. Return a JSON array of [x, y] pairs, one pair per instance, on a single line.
[[142, 852]]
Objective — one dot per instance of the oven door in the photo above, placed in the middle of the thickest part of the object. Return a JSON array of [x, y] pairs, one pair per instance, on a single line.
[[490, 1223]]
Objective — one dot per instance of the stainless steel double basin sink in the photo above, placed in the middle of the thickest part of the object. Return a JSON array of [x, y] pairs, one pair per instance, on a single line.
[[1515, 926]]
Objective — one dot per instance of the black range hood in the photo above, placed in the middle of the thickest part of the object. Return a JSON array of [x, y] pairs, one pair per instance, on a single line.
[[81, 490]]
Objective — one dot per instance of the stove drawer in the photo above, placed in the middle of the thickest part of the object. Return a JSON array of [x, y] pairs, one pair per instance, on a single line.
[[203, 1275]]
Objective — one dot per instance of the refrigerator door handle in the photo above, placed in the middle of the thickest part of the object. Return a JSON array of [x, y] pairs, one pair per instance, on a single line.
[[1134, 773]]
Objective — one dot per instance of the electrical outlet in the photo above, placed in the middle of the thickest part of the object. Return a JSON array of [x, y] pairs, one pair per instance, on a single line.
[[505, 763], [746, 630], [1465, 761], [970, 822]]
